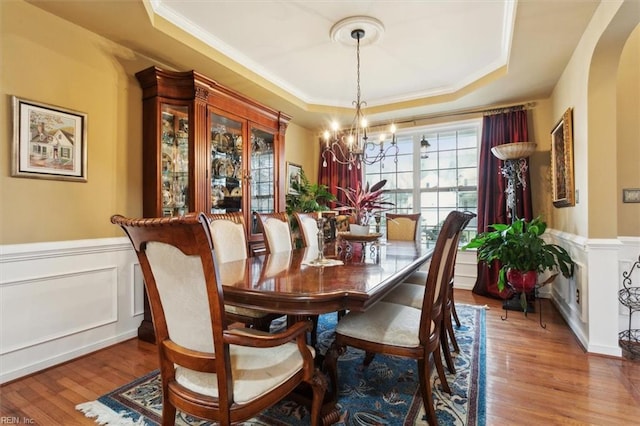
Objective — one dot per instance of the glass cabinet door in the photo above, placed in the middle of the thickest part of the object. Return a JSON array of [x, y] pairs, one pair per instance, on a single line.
[[262, 189], [175, 159], [226, 164]]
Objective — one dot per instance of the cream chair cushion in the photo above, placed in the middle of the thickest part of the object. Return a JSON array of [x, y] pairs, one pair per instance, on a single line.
[[407, 294], [309, 228], [183, 294], [255, 371], [278, 233], [418, 277], [229, 240], [401, 228], [384, 323]]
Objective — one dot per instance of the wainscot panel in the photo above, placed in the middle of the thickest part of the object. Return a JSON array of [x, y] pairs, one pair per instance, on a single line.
[[65, 299]]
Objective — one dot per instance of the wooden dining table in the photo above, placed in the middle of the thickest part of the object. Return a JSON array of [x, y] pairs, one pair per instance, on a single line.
[[290, 283], [300, 284]]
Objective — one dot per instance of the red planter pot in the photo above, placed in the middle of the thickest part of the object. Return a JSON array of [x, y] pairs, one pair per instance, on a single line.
[[522, 281]]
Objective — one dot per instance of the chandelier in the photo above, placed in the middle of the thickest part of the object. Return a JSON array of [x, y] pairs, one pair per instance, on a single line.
[[352, 147]]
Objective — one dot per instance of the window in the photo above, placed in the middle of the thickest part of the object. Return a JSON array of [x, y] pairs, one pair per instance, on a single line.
[[445, 181]]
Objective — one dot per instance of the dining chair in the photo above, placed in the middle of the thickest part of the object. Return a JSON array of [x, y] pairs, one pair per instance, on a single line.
[[308, 225], [411, 293], [276, 230], [208, 370], [400, 330], [228, 234], [404, 227]]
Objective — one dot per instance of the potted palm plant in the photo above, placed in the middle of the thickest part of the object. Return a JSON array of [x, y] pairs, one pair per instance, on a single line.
[[364, 204], [522, 253], [307, 198]]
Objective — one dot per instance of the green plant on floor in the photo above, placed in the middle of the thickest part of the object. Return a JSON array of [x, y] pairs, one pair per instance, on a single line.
[[519, 246]]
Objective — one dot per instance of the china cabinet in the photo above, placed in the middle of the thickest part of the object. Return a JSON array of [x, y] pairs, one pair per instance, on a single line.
[[208, 148]]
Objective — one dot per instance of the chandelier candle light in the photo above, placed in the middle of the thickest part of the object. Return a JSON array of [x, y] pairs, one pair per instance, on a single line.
[[352, 147]]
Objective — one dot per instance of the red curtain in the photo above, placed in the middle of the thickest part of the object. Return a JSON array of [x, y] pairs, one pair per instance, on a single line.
[[497, 129], [336, 175]]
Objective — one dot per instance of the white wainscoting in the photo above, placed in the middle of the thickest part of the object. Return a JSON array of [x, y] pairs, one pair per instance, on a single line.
[[466, 272], [62, 300], [629, 254], [589, 300], [65, 299]]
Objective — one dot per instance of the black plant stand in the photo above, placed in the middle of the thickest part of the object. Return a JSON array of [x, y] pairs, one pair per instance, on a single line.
[[513, 304], [629, 296]]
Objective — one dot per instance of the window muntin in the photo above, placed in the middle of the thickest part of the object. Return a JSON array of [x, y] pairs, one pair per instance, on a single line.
[[447, 180]]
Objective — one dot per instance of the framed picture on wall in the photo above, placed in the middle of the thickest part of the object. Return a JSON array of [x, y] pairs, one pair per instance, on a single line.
[[293, 177], [49, 142], [562, 176]]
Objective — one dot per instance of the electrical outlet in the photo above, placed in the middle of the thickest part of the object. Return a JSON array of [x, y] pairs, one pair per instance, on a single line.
[[577, 196], [577, 296]]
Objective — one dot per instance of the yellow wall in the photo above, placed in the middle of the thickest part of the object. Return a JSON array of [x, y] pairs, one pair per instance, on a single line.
[[303, 149], [628, 108], [590, 84], [48, 60], [539, 163]]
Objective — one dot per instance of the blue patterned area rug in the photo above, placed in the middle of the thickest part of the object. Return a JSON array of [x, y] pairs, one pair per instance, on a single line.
[[385, 393]]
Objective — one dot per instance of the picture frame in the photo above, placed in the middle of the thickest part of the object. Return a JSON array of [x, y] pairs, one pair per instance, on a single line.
[[562, 174], [49, 142], [293, 176], [631, 195]]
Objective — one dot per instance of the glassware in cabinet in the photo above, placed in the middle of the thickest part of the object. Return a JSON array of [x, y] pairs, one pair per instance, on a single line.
[[175, 159], [226, 164]]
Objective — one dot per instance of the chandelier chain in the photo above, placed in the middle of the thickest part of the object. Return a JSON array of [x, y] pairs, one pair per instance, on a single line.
[[358, 35]]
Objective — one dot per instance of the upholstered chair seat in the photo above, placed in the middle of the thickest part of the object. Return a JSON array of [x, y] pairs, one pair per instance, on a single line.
[[407, 294], [256, 371], [390, 323], [418, 277]]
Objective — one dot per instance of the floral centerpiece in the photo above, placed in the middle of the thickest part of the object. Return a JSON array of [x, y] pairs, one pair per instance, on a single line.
[[365, 203]]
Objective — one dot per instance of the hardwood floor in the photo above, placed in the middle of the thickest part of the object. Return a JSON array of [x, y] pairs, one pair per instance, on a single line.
[[534, 376]]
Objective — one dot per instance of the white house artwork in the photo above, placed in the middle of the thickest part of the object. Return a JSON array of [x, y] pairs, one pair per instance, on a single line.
[[50, 142], [53, 150]]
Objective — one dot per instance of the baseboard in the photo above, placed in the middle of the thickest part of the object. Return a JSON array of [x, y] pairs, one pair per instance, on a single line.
[[7, 376]]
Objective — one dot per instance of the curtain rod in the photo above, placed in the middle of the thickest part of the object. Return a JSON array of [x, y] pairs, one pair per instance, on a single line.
[[492, 111]]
